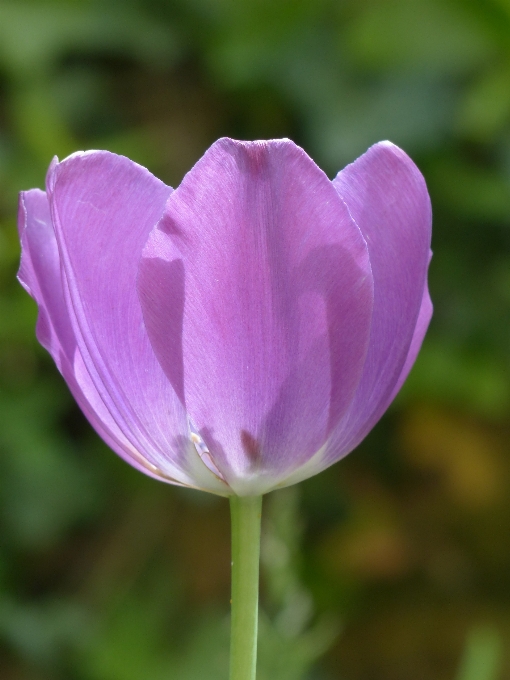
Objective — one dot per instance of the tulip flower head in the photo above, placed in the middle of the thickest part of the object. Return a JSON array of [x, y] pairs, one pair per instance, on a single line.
[[241, 332]]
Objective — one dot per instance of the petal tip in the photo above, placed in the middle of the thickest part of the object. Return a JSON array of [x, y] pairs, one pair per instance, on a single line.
[[230, 143]]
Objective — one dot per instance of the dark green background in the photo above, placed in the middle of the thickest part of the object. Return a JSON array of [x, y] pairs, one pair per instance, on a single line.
[[393, 564]]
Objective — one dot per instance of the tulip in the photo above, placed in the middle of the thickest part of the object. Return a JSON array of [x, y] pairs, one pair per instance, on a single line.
[[244, 331], [241, 332]]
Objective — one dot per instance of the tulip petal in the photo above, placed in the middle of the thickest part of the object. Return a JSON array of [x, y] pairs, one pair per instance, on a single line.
[[39, 272], [257, 297], [419, 333], [388, 199], [321, 459], [40, 275], [103, 207]]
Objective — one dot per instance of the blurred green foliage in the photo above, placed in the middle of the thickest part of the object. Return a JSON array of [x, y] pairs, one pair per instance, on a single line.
[[395, 563]]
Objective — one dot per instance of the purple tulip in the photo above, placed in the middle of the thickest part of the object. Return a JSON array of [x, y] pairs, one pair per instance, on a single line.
[[244, 331]]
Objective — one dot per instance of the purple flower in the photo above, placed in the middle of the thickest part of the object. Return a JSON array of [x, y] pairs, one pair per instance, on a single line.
[[244, 331]]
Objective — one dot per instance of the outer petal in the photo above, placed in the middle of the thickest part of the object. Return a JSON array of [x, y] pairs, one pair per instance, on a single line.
[[387, 197], [419, 333], [40, 275], [39, 272], [257, 297], [103, 207]]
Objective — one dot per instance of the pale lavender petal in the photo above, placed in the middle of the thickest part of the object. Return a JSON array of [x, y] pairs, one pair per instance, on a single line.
[[39, 271], [321, 459], [419, 333], [103, 207], [40, 275], [257, 296], [387, 197]]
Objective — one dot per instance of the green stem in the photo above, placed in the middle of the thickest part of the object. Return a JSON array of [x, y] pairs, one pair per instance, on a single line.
[[245, 512]]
